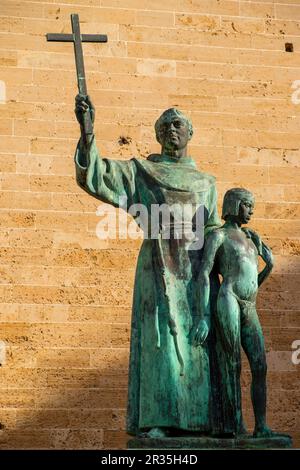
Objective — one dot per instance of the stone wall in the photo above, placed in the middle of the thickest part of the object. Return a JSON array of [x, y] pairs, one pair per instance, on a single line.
[[65, 294]]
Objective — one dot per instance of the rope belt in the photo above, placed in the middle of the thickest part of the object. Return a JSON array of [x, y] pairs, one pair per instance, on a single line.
[[171, 320]]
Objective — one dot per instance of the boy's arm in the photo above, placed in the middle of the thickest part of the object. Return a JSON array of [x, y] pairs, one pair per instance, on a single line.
[[212, 244], [264, 252], [267, 256], [255, 238]]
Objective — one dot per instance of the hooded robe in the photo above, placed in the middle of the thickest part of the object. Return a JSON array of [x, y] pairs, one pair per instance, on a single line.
[[169, 379]]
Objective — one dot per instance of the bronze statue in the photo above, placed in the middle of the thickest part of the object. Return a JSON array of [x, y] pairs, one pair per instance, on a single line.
[[169, 379], [235, 250], [184, 374]]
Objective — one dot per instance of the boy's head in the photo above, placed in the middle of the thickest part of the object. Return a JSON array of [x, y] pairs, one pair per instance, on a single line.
[[238, 202]]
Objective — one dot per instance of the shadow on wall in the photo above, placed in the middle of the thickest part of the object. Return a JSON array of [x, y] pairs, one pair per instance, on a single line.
[[76, 398], [78, 409], [71, 408], [279, 312]]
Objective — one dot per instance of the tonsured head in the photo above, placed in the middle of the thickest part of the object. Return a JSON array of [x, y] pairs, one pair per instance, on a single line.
[[238, 202], [173, 129]]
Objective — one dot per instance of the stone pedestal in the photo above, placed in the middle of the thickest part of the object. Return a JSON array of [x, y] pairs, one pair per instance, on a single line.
[[278, 442]]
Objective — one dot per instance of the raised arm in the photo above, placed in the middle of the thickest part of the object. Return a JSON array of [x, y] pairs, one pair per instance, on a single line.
[[84, 105], [212, 244], [105, 179]]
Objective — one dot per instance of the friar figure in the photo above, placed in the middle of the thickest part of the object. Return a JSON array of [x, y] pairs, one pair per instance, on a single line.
[[234, 251], [169, 379]]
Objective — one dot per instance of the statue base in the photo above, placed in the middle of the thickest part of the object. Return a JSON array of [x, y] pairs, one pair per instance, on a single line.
[[206, 442]]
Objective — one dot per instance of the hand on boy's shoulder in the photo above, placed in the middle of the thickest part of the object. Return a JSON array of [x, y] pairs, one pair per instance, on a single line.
[[214, 238], [216, 233]]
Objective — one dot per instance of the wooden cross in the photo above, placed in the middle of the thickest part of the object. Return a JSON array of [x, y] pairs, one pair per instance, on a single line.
[[77, 40]]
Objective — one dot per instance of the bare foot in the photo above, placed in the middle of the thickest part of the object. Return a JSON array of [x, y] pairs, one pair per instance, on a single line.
[[154, 433], [265, 431]]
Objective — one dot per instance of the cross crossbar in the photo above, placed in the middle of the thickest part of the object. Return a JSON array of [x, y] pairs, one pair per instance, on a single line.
[[77, 39], [57, 37]]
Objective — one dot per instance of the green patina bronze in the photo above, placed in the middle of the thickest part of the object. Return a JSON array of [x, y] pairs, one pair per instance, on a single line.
[[169, 380], [234, 252], [187, 331]]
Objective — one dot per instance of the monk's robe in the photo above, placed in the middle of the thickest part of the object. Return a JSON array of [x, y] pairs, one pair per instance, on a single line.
[[169, 379]]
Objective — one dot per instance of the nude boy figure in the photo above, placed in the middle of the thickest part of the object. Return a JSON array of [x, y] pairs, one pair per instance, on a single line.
[[235, 250]]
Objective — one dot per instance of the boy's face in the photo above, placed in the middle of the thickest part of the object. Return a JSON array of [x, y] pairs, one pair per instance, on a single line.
[[245, 210]]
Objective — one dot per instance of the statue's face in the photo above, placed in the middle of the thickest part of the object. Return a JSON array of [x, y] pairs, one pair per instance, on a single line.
[[245, 210], [174, 133]]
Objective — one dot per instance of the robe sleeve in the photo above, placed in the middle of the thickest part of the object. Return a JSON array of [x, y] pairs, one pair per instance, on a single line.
[[105, 179], [214, 220]]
